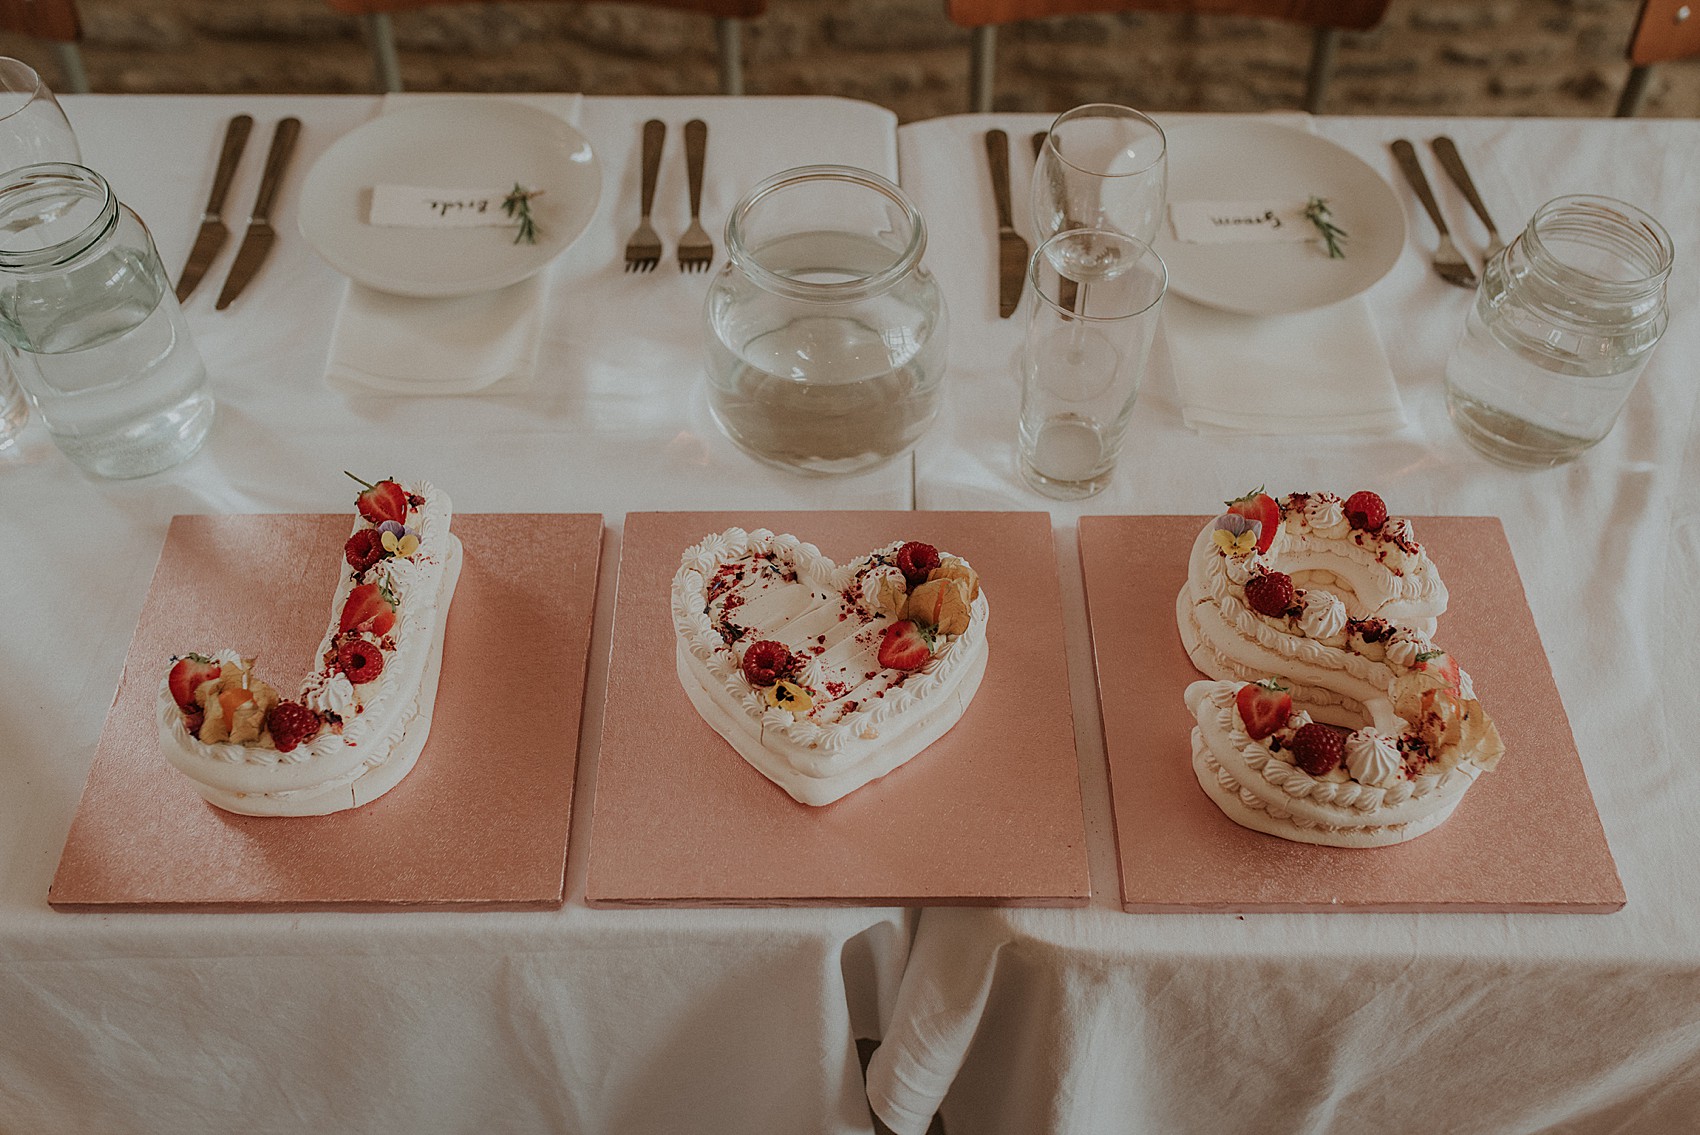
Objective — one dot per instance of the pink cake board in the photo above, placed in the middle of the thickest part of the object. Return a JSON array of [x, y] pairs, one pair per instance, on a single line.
[[1525, 838], [987, 815], [481, 821]]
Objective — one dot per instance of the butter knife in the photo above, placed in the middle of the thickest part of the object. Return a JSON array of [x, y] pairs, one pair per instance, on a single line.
[[1012, 250], [213, 234], [258, 240]]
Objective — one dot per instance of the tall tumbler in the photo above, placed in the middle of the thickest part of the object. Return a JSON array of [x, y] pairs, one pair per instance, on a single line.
[[91, 326], [1092, 314]]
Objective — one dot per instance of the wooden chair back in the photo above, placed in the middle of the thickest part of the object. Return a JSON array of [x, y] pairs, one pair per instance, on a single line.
[[54, 20], [1667, 30], [1350, 15], [726, 9]]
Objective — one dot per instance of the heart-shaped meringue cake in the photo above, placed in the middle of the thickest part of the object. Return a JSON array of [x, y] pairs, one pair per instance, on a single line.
[[826, 676]]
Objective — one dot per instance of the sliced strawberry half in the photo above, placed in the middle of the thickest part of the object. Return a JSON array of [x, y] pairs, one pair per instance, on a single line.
[[189, 672], [1264, 707], [383, 501], [1442, 666], [1259, 506], [371, 608], [905, 646]]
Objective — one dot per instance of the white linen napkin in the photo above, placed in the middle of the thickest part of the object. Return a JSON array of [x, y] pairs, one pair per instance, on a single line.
[[388, 344]]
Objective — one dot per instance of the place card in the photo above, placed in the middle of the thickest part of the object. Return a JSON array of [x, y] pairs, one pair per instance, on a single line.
[[413, 206], [1241, 222]]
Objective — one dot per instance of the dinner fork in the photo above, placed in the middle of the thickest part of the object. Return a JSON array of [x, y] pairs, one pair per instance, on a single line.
[[1449, 263], [1447, 151], [696, 250], [643, 251]]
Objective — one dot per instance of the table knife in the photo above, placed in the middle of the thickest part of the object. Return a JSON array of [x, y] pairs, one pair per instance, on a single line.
[[258, 240], [1012, 250], [213, 234]]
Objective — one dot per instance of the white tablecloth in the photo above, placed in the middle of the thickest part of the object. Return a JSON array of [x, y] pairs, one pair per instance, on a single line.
[[1026, 1021], [579, 1020]]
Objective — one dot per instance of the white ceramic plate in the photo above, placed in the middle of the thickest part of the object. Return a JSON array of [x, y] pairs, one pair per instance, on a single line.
[[1252, 161], [450, 143]]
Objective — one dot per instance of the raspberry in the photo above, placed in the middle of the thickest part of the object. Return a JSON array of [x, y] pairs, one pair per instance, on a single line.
[[916, 561], [363, 549], [291, 723], [1317, 748], [193, 719], [1270, 593], [1366, 511], [360, 660], [766, 662]]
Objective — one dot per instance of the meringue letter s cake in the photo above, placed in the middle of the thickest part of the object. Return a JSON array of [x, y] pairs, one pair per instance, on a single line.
[[826, 677]]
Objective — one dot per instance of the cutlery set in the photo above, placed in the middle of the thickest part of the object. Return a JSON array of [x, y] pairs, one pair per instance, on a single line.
[[259, 236], [1449, 262], [1012, 250], [696, 247]]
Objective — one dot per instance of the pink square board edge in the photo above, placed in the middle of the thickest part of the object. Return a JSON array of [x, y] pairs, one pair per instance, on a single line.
[[1526, 837], [481, 821], [988, 815]]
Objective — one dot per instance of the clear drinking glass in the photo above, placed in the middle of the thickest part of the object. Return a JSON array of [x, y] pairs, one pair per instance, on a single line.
[[33, 128], [1564, 323], [1102, 167], [826, 341], [1095, 298], [91, 326]]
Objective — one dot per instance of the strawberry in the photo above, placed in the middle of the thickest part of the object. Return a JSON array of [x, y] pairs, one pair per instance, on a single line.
[[370, 608], [1259, 506], [1270, 593], [1264, 707], [1442, 666], [1365, 511], [905, 646], [383, 501], [1318, 748], [766, 662], [916, 561], [187, 673]]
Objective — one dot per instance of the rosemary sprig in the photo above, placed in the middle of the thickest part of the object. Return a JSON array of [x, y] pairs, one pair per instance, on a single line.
[[517, 205], [1316, 212]]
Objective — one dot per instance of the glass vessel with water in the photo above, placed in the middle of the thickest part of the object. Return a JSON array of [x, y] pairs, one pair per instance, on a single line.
[[91, 326], [826, 340]]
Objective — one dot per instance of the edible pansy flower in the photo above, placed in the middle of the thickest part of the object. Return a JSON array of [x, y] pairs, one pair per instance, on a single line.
[[1236, 535], [397, 540], [789, 696]]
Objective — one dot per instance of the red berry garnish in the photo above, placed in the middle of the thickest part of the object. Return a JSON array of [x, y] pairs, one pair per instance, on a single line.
[[383, 501], [291, 723], [193, 719], [1259, 506], [905, 646], [1264, 707], [369, 607], [187, 673], [766, 662], [362, 661], [364, 548], [916, 561], [1318, 748], [1365, 511], [1270, 593]]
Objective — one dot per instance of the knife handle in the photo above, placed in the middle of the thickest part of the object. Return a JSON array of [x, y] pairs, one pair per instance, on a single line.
[[235, 141], [1039, 137], [283, 145], [1453, 164], [654, 134], [997, 154], [696, 149], [1407, 158]]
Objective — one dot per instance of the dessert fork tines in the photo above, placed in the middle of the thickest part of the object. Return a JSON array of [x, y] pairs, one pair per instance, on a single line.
[[696, 248], [643, 250], [1449, 263]]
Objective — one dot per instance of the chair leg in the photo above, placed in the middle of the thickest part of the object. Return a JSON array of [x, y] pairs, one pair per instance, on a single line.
[[71, 66], [1324, 46], [385, 65], [1635, 91], [981, 62], [730, 33]]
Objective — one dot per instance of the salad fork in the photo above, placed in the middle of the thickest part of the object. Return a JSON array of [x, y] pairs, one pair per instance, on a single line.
[[696, 249], [643, 251], [1449, 263]]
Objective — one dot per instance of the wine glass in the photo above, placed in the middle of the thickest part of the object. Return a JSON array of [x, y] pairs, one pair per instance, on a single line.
[[32, 126], [1102, 167]]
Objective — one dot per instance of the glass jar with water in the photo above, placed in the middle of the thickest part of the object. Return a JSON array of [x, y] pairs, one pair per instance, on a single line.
[[91, 326], [1564, 323], [826, 340]]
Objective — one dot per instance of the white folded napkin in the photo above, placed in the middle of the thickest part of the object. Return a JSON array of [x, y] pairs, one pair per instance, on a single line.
[[390, 344], [1311, 372]]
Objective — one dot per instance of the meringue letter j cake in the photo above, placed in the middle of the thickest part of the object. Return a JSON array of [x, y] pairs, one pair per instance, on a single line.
[[826, 677], [361, 718]]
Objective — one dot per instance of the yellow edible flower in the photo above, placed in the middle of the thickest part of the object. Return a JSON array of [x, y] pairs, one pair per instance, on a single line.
[[789, 696]]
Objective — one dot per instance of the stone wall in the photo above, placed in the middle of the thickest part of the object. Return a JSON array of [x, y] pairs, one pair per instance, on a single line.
[[1479, 57]]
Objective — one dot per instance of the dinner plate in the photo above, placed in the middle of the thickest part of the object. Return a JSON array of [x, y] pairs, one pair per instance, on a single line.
[[449, 143], [1261, 161]]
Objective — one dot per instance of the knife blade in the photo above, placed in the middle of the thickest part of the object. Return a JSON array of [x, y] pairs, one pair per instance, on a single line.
[[1012, 250], [258, 240], [213, 234]]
